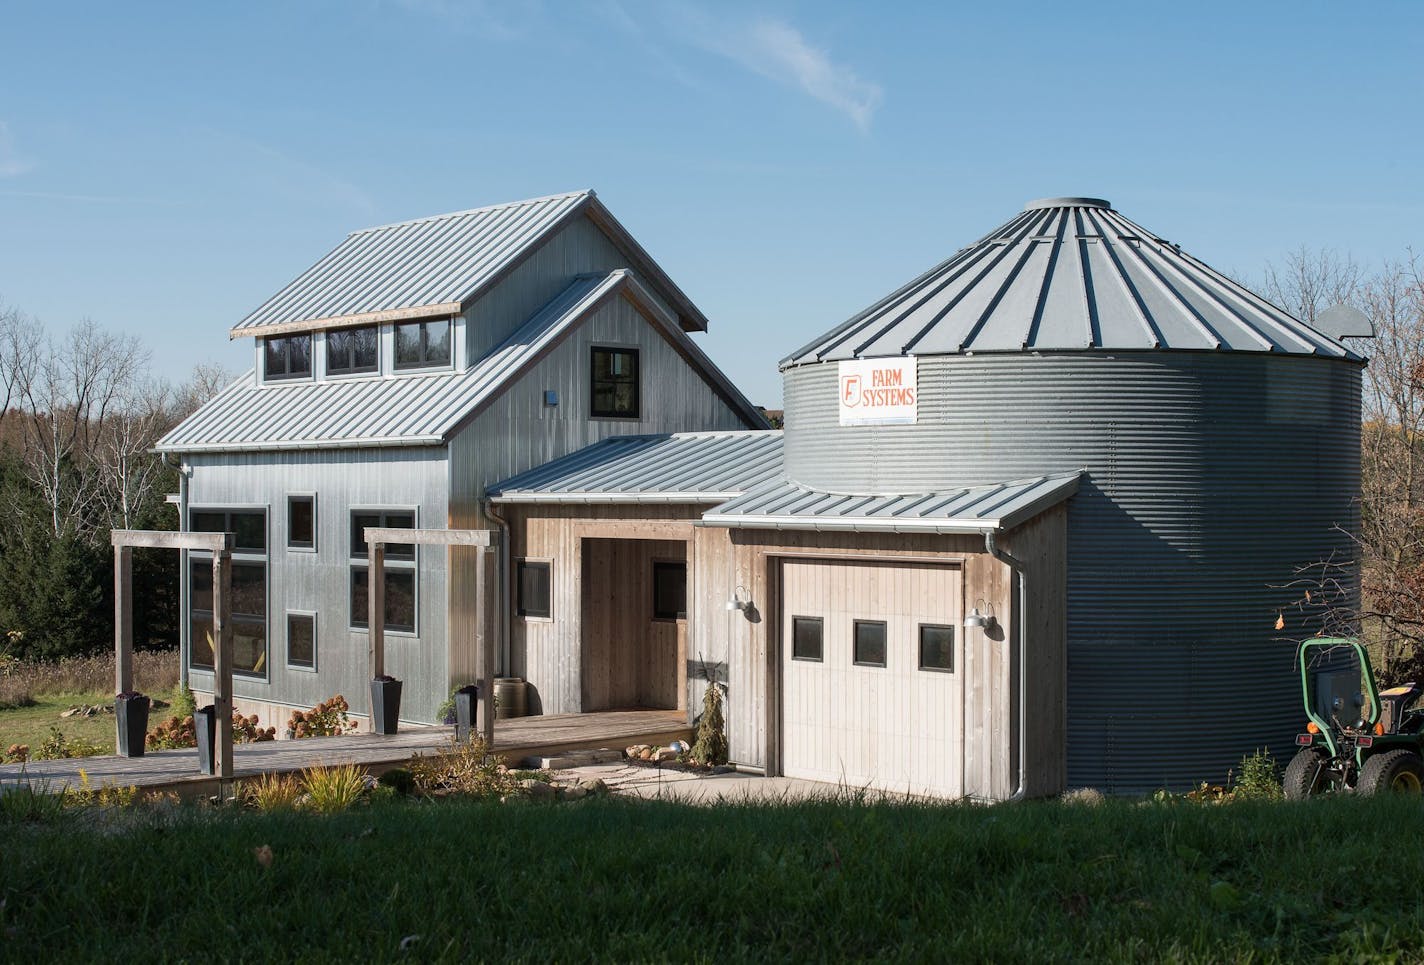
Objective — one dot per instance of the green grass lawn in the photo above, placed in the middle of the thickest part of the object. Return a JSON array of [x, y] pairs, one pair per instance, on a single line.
[[31, 725], [615, 879]]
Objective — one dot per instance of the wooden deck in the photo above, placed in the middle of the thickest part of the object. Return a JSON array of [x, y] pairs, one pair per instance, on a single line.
[[515, 739]]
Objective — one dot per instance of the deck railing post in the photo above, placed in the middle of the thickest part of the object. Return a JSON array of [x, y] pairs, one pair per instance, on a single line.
[[484, 644], [123, 619], [376, 610], [222, 662]]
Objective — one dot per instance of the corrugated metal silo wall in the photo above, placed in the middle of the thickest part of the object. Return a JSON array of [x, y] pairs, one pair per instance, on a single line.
[[1211, 479]]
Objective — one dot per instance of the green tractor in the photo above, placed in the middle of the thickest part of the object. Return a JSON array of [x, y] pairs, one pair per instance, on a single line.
[[1358, 739]]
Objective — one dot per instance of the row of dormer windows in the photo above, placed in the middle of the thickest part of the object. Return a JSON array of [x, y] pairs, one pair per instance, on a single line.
[[354, 351]]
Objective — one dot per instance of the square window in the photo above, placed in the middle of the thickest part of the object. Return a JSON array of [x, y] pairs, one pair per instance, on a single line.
[[533, 586], [301, 522], [352, 350], [423, 344], [669, 591], [301, 640], [614, 383], [869, 643], [806, 638], [936, 647], [381, 519], [400, 599]]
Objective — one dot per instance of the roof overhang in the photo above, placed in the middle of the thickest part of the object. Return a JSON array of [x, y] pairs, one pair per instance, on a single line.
[[443, 310]]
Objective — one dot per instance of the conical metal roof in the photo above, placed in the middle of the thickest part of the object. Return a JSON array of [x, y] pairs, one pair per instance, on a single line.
[[1069, 274]]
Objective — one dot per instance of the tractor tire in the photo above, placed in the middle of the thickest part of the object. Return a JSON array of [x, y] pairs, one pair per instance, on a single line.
[[1399, 772], [1302, 777]]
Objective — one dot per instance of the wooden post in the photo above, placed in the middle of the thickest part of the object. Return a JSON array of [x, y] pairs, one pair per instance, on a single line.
[[222, 662], [484, 643], [123, 619], [376, 611]]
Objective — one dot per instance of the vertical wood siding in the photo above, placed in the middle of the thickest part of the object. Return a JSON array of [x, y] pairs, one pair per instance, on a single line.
[[628, 658], [319, 582]]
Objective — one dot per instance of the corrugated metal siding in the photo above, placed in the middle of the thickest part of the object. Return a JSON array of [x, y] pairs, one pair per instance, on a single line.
[[999, 506], [1210, 479], [431, 261], [693, 466], [297, 580], [1069, 274]]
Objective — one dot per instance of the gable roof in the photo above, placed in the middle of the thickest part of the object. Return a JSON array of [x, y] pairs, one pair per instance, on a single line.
[[1069, 274], [439, 265], [785, 505], [417, 410], [679, 467]]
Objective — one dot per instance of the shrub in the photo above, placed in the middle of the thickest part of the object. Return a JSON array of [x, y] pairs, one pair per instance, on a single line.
[[711, 744], [56, 747], [1260, 779], [467, 768], [178, 732], [400, 779], [332, 789], [272, 792], [329, 718], [15, 754], [184, 705], [106, 795]]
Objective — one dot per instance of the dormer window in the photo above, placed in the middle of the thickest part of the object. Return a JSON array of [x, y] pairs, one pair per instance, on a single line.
[[422, 345], [288, 357], [352, 350]]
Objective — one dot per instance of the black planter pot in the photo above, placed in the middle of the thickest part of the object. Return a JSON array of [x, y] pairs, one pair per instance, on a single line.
[[466, 703], [385, 706], [205, 726], [131, 714]]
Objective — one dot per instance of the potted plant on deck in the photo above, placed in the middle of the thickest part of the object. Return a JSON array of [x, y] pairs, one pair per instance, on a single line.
[[385, 704], [131, 715]]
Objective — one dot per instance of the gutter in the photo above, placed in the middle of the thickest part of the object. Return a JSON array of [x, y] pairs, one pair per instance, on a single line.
[[503, 567], [991, 546]]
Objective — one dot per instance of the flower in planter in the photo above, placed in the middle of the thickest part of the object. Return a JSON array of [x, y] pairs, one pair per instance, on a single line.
[[384, 679], [129, 695]]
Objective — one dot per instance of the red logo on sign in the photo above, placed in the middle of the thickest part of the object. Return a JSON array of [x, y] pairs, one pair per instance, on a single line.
[[850, 390]]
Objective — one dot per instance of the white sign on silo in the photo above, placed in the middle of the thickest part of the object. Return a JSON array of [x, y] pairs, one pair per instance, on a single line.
[[879, 392]]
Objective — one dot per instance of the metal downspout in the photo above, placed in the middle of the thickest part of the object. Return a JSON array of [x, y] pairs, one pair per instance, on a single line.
[[992, 547], [503, 566]]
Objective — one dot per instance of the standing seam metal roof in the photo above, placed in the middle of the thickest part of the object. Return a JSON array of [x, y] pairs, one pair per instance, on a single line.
[[785, 505], [405, 409], [1069, 274], [437, 265], [677, 467]]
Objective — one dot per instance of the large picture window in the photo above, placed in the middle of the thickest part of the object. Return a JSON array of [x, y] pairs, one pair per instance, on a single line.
[[287, 357], [352, 350], [614, 381], [422, 344], [400, 570], [249, 590]]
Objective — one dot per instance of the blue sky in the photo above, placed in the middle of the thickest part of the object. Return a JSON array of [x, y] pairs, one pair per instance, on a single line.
[[164, 167]]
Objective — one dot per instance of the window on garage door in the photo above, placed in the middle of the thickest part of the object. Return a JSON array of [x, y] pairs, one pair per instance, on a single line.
[[870, 643], [806, 638]]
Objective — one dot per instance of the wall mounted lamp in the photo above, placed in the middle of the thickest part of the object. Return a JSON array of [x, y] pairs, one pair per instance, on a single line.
[[977, 619], [741, 600]]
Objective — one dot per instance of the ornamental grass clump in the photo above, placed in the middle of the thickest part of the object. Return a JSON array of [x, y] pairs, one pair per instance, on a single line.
[[333, 789], [330, 718], [272, 792]]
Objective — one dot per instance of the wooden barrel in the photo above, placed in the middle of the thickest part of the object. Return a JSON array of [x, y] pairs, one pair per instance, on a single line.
[[509, 693]]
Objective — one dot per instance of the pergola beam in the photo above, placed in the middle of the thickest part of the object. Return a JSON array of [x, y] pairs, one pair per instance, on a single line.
[[481, 539]]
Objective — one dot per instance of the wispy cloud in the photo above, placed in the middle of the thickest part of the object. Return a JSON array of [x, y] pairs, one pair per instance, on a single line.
[[778, 51], [11, 163]]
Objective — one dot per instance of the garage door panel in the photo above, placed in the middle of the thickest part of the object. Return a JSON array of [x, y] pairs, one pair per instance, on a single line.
[[894, 727]]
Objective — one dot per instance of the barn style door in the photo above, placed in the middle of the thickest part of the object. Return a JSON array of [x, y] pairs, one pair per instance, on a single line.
[[872, 675]]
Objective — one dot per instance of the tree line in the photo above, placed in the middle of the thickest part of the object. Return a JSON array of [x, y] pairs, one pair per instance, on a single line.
[[80, 414]]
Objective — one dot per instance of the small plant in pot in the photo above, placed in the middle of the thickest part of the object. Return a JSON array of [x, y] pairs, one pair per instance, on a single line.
[[131, 715], [385, 704]]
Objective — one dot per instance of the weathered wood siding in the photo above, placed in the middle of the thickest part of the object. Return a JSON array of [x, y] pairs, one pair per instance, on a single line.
[[628, 658], [319, 581], [748, 643], [518, 432], [549, 653]]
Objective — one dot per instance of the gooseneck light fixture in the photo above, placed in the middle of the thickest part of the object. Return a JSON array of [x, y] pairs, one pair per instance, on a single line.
[[741, 600], [978, 619]]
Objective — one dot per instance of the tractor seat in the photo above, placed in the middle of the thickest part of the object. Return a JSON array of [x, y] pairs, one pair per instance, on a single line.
[[1393, 703]]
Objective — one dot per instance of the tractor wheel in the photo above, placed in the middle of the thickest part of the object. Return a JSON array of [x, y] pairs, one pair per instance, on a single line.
[[1302, 777], [1401, 772]]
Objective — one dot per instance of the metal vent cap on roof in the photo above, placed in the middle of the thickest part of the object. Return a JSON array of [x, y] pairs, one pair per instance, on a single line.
[[1042, 203]]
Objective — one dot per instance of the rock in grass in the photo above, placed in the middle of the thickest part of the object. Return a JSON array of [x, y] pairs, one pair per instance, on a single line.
[[573, 793], [1084, 795], [594, 786], [539, 791]]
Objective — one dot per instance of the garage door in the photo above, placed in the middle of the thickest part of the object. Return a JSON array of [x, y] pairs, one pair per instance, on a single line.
[[871, 696]]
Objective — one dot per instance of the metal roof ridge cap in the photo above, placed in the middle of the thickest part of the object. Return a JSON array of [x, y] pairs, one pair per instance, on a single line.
[[565, 196]]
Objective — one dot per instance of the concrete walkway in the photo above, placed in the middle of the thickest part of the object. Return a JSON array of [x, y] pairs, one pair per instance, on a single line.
[[688, 787]]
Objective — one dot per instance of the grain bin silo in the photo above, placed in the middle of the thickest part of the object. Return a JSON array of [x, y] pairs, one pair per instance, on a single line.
[[1220, 438]]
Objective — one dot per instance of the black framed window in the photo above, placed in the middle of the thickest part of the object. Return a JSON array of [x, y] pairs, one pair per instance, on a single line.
[[301, 522], [287, 357], [937, 647], [422, 344], [301, 640], [352, 350], [533, 582], [249, 590], [870, 643], [614, 381], [807, 635], [401, 583], [669, 590]]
